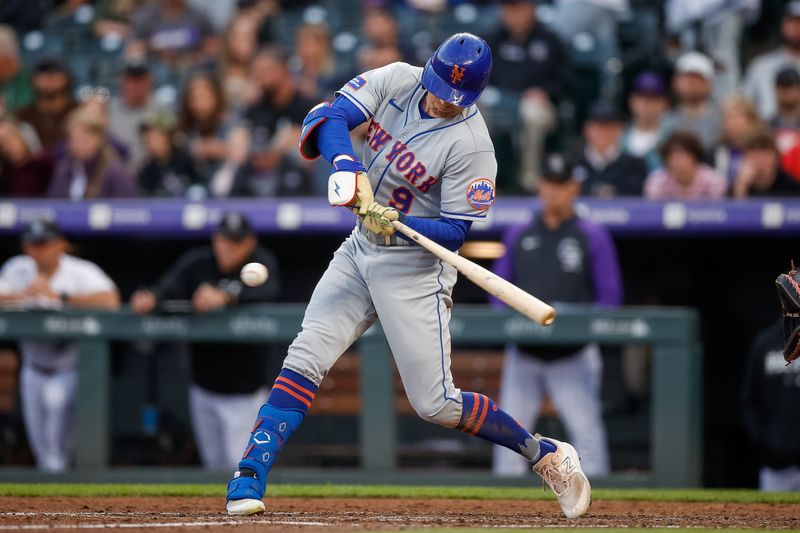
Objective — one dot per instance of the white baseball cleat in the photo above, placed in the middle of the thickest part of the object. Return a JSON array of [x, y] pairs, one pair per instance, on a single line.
[[244, 507], [562, 472]]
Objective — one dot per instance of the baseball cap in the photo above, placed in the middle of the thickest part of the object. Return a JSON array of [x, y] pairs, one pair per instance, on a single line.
[[695, 63], [787, 77], [556, 170], [792, 9], [50, 65], [40, 230], [135, 67], [234, 225], [603, 112], [649, 83]]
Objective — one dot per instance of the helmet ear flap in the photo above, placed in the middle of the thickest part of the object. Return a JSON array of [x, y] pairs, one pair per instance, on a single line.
[[459, 69]]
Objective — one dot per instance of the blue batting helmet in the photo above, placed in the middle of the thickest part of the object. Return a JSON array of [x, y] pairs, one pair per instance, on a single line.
[[459, 69]]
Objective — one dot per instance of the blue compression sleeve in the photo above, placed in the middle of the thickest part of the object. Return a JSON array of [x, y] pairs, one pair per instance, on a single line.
[[449, 232], [333, 137]]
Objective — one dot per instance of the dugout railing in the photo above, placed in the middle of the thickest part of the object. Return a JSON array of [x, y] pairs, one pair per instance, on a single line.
[[672, 334]]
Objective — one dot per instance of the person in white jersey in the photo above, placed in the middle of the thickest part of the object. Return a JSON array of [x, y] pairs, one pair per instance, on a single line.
[[45, 276]]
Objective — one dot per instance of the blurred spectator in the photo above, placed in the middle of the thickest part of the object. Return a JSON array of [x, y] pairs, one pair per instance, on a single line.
[[234, 177], [223, 398], [22, 15], [694, 110], [275, 122], [314, 65], [263, 12], [24, 170], [760, 173], [91, 167], [598, 18], [714, 26], [761, 73], [203, 120], [429, 6], [15, 83], [647, 130], [95, 98], [66, 14], [786, 121], [603, 169], [239, 46], [126, 111], [218, 12], [684, 176], [529, 60], [382, 44], [739, 121], [46, 277], [113, 17], [575, 262], [52, 102], [175, 32], [168, 169], [770, 395]]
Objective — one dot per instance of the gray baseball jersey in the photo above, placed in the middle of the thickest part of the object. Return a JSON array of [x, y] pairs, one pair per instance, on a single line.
[[426, 167]]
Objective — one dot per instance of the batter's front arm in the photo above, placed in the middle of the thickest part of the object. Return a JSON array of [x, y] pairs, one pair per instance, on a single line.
[[504, 290]]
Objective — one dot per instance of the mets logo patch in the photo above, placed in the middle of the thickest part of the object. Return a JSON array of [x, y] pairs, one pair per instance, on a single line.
[[480, 194]]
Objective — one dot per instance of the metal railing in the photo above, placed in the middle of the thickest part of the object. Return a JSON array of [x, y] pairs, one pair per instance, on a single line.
[[676, 410]]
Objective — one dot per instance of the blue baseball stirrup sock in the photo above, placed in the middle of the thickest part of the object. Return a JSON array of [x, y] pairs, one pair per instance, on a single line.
[[481, 417], [285, 409]]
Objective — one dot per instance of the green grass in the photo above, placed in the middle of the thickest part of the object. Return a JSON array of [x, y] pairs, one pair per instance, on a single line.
[[386, 491]]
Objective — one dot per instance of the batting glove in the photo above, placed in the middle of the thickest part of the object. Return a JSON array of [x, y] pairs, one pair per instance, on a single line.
[[378, 219], [349, 185]]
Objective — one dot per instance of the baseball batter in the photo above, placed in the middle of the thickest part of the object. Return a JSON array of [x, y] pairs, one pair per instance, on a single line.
[[428, 161]]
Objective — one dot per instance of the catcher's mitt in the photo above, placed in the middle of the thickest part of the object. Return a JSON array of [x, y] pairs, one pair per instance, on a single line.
[[788, 286]]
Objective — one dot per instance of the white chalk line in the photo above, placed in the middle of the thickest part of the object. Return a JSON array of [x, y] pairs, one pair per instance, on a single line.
[[87, 514], [142, 525]]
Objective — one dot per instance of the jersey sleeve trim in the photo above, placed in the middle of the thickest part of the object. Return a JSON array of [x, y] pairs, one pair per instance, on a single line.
[[462, 216], [357, 102]]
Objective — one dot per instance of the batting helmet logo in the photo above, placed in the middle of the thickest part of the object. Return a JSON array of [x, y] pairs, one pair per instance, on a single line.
[[457, 74]]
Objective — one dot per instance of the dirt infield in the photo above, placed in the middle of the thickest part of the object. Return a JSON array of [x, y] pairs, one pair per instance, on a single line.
[[335, 514]]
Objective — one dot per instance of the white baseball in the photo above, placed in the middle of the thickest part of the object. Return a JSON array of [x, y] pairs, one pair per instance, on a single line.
[[254, 274]]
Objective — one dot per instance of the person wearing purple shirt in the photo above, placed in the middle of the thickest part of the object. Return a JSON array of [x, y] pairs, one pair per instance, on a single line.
[[560, 258], [89, 167]]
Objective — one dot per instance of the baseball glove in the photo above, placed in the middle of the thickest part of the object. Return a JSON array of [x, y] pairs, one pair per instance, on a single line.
[[788, 286]]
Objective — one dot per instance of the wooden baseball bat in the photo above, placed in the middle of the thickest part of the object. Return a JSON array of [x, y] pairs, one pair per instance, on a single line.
[[513, 296]]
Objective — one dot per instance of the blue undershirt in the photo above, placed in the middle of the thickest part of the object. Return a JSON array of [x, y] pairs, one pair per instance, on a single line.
[[333, 139]]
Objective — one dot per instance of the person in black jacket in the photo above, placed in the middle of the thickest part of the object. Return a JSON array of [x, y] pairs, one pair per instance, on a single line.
[[529, 60], [168, 168], [603, 169], [770, 396], [223, 398], [275, 120]]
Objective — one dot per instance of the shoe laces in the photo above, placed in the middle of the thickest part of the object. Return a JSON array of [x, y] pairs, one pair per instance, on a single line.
[[554, 478]]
